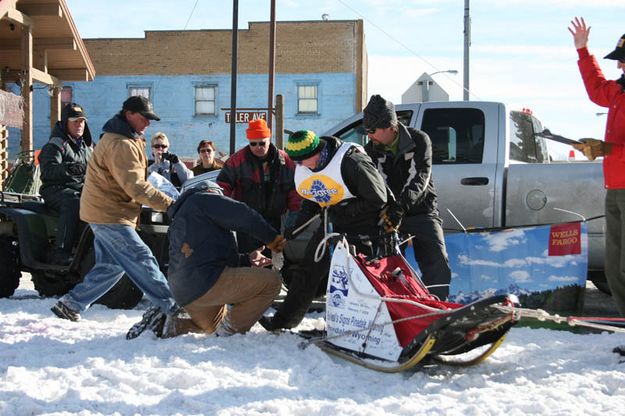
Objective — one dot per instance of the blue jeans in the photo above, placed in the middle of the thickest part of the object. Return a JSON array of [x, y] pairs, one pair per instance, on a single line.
[[119, 249]]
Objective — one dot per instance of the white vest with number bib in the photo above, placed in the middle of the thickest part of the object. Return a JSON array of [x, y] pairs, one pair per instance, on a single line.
[[325, 187]]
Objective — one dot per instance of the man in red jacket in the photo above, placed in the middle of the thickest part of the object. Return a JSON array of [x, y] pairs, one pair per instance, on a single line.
[[261, 175], [610, 94]]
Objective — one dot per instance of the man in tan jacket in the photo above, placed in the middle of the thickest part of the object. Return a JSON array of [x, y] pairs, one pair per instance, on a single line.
[[115, 188]]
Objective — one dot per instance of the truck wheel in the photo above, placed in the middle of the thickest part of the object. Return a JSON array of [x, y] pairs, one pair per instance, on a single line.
[[597, 277], [9, 268], [124, 295], [51, 284]]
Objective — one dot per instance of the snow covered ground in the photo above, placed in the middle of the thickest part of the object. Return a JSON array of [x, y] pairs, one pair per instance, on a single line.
[[51, 366]]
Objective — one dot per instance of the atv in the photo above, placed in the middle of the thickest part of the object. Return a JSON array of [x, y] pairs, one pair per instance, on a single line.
[[27, 232]]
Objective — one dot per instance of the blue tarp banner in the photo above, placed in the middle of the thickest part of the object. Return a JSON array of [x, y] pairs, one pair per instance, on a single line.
[[544, 265]]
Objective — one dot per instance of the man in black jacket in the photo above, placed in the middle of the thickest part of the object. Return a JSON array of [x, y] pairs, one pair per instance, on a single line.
[[403, 156], [63, 162], [340, 177]]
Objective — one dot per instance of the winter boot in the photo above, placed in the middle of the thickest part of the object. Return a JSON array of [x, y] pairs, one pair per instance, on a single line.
[[151, 318], [165, 327], [65, 312], [224, 329], [619, 350]]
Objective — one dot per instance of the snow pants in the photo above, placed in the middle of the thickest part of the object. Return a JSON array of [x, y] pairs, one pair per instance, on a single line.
[[430, 252], [615, 245]]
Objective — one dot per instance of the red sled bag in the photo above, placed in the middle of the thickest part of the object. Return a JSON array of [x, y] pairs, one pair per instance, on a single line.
[[380, 309]]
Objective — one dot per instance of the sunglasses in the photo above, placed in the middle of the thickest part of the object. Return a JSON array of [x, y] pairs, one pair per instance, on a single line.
[[160, 146], [622, 61], [261, 144], [371, 131], [206, 150]]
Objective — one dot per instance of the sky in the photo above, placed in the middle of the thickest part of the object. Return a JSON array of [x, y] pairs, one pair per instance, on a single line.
[[521, 51], [50, 366]]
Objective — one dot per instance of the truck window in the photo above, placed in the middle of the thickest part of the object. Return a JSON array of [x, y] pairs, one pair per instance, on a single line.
[[542, 150], [525, 146], [457, 134], [355, 133]]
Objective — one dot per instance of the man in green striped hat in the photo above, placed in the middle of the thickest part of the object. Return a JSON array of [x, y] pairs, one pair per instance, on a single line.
[[340, 177]]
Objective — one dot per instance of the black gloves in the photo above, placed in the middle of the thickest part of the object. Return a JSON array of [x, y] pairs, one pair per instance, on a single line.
[[76, 168], [391, 216], [171, 157]]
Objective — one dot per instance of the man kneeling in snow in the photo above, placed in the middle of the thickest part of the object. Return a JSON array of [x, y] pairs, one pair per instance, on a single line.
[[206, 271]]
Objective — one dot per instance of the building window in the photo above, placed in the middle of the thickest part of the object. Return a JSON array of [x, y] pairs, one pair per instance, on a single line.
[[307, 99], [67, 96], [139, 90], [205, 100]]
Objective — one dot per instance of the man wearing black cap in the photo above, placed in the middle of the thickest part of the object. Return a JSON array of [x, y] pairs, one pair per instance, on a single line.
[[403, 156], [63, 162], [115, 188], [608, 94]]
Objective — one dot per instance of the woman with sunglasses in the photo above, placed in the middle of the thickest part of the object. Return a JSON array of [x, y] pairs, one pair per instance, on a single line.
[[167, 164], [609, 94], [207, 163]]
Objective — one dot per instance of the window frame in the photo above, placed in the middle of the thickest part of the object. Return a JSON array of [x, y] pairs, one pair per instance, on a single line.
[[71, 95], [148, 87], [314, 99], [196, 87]]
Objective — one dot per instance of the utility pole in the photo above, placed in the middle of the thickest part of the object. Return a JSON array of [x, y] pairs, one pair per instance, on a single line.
[[233, 74], [467, 44], [272, 60]]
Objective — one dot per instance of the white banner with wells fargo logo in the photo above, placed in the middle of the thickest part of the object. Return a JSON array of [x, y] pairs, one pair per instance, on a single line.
[[545, 266]]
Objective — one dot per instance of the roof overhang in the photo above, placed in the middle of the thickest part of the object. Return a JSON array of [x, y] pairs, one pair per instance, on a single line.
[[58, 52]]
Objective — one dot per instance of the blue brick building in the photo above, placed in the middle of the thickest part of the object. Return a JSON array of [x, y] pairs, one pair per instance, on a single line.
[[320, 72]]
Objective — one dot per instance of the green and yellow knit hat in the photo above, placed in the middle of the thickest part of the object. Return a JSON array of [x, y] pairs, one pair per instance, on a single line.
[[303, 144]]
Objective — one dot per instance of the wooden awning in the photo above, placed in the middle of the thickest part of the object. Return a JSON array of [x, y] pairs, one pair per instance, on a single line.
[[58, 52], [39, 42]]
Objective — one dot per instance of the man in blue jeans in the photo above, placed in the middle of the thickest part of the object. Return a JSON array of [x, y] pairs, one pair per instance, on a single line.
[[115, 188]]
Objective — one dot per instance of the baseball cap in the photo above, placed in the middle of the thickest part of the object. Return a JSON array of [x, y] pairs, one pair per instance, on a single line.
[[619, 52], [141, 105], [73, 112]]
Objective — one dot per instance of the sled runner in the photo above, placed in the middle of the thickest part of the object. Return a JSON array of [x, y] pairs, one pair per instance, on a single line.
[[380, 315]]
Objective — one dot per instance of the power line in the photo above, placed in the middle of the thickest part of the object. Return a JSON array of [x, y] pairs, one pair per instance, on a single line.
[[190, 15], [403, 45]]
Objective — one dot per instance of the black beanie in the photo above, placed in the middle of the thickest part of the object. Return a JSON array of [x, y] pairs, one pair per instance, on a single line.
[[379, 113]]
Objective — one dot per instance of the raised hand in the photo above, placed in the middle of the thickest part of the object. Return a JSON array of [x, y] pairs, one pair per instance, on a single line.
[[580, 32]]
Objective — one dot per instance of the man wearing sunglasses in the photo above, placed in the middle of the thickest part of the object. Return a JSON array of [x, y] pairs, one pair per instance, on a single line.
[[403, 156], [261, 175], [610, 94]]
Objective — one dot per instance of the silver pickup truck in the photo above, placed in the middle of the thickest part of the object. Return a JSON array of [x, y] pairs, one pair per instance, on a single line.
[[492, 168]]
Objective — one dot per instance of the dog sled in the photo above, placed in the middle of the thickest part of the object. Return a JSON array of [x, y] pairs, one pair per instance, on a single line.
[[380, 315]]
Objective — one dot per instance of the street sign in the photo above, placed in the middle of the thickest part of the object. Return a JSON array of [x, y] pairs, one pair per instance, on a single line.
[[246, 116]]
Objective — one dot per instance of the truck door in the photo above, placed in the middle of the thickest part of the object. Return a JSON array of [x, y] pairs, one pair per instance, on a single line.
[[538, 191], [464, 169]]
